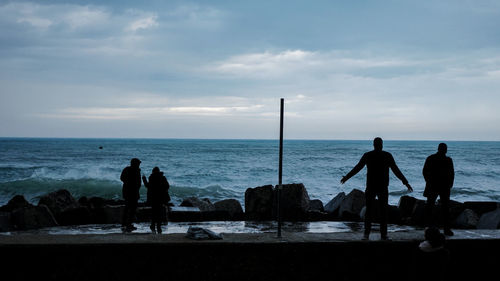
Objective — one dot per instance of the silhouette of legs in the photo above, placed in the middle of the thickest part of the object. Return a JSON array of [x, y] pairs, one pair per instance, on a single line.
[[129, 214], [370, 211], [429, 220]]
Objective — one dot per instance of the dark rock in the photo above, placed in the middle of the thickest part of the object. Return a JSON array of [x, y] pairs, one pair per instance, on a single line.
[[294, 201], [406, 205], [84, 201], [204, 204], [259, 203], [17, 202], [318, 216], [74, 216], [5, 222], [110, 214], [232, 206], [490, 220], [455, 209], [333, 206], [179, 214], [481, 207], [418, 214], [393, 214], [351, 206], [316, 205], [467, 219], [58, 201], [32, 217]]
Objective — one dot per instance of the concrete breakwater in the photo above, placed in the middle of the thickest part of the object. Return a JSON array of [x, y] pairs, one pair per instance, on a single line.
[[60, 208], [296, 256]]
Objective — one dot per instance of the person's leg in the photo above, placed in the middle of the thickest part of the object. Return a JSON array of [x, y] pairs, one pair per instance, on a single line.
[[429, 206], [444, 197], [370, 202], [125, 215], [383, 197]]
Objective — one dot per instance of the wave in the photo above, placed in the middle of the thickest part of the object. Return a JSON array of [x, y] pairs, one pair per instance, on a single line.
[[33, 188]]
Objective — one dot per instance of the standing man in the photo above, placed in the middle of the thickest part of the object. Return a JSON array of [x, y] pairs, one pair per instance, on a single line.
[[377, 164], [131, 178], [439, 175]]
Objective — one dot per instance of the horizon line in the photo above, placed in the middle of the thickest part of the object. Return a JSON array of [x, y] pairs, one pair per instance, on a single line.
[[242, 139]]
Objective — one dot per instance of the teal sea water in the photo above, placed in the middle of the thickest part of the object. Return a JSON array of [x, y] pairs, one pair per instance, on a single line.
[[221, 169]]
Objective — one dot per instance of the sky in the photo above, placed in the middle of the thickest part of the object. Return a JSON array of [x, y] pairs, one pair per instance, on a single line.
[[403, 70]]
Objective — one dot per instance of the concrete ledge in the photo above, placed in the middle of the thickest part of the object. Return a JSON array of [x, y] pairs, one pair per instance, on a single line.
[[297, 256]]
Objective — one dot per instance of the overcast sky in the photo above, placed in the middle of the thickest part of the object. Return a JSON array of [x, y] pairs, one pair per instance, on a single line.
[[217, 69]]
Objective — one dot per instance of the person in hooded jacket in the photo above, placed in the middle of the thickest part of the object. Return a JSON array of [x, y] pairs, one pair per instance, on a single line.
[[157, 196]]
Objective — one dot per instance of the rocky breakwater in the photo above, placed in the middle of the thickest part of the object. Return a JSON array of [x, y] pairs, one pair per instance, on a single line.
[[261, 203]]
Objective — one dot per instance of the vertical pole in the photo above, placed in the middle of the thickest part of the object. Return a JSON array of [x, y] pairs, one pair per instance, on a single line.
[[280, 176]]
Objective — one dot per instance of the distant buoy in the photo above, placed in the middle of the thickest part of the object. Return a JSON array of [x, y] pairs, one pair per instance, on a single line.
[[100, 147]]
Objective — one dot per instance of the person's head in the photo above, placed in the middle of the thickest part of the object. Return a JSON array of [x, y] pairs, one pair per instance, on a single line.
[[135, 162], [435, 238], [156, 170], [442, 148], [378, 143]]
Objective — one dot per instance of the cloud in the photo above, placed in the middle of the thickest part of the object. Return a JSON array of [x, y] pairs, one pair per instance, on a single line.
[[143, 23]]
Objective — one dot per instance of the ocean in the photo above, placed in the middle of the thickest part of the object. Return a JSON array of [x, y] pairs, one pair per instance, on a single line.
[[221, 169]]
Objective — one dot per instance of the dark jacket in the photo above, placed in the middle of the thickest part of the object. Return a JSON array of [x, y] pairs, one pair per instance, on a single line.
[[158, 187], [377, 164], [439, 174], [131, 178]]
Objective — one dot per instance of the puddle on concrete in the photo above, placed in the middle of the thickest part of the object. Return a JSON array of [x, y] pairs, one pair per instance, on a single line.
[[217, 226]]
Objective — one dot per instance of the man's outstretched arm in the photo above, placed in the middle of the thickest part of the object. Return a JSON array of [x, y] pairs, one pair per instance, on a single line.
[[355, 170], [395, 169]]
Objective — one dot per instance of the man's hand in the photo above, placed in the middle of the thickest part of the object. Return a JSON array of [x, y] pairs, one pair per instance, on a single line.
[[410, 189], [343, 180]]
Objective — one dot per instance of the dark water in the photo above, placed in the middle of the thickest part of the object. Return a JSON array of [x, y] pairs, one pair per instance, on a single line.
[[220, 169]]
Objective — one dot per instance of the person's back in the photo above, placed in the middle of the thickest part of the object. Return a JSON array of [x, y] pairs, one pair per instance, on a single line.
[[131, 178], [438, 171], [378, 163], [157, 188]]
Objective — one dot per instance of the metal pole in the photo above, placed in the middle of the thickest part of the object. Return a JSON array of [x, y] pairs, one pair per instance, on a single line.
[[280, 167]]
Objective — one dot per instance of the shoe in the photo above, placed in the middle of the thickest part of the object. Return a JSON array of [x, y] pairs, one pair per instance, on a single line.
[[448, 232], [152, 227]]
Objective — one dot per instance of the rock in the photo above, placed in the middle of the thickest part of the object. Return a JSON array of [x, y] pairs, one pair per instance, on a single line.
[[406, 205], [481, 207], [259, 203], [58, 201], [84, 201], [183, 214], [455, 208], [74, 216], [393, 214], [316, 205], [232, 206], [17, 202], [198, 233], [5, 222], [204, 204], [108, 214], [351, 206], [33, 217], [490, 220], [294, 201], [418, 213], [467, 219], [333, 206]]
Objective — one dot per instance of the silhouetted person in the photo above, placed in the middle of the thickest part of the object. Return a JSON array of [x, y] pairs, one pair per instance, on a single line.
[[432, 258], [377, 163], [131, 178], [157, 197], [439, 175]]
